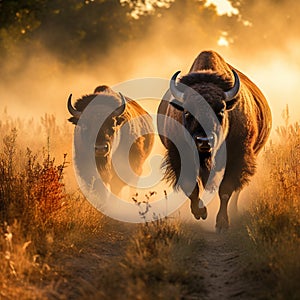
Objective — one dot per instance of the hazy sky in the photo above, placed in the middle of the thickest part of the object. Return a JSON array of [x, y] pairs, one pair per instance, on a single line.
[[44, 83]]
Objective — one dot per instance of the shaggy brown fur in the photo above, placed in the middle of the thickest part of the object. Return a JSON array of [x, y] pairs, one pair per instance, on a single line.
[[246, 124]]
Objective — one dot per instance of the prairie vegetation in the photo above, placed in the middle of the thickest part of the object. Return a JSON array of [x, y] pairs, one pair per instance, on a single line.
[[54, 245], [45, 224], [272, 224], [153, 265], [38, 217]]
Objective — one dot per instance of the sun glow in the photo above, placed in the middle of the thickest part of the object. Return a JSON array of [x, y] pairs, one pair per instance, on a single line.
[[222, 41], [223, 7]]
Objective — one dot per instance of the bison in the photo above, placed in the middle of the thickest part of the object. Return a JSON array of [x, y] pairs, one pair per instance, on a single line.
[[111, 141], [236, 115]]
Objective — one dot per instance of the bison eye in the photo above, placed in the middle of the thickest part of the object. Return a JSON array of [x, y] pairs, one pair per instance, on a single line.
[[222, 112]]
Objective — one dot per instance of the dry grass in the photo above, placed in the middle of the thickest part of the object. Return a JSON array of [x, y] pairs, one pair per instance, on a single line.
[[38, 217], [273, 221], [150, 261], [51, 238], [153, 265], [45, 222]]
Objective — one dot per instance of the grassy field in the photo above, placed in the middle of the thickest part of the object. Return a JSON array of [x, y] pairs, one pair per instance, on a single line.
[[54, 245], [38, 217], [271, 227], [46, 226]]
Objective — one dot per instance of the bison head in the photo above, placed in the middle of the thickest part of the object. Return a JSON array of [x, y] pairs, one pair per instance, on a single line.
[[204, 98], [107, 135]]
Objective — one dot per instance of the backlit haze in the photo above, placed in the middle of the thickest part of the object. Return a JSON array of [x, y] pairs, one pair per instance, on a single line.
[[261, 40], [43, 82]]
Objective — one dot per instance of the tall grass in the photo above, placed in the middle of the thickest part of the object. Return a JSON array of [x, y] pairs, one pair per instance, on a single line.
[[31, 192], [274, 223], [153, 264], [44, 222], [39, 217], [38, 133]]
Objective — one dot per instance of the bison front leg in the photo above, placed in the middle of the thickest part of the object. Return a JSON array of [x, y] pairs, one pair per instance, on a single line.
[[197, 207], [222, 222], [233, 205]]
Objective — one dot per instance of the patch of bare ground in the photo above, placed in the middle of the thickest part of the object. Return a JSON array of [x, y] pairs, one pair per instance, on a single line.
[[222, 264], [205, 266], [79, 267]]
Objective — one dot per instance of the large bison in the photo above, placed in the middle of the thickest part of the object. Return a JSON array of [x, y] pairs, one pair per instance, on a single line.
[[111, 140], [236, 116]]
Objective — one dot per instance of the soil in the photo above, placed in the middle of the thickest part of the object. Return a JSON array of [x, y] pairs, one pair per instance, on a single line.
[[80, 270], [216, 269], [223, 270]]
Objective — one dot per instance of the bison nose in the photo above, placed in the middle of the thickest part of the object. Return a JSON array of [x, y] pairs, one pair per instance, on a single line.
[[204, 144]]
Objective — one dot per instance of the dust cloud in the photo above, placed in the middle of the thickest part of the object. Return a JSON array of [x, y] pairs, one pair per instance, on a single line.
[[45, 84], [271, 59], [41, 82]]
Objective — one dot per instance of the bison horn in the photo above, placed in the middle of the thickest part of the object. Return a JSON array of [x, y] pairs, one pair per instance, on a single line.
[[229, 95], [178, 95], [123, 99], [75, 113], [121, 108]]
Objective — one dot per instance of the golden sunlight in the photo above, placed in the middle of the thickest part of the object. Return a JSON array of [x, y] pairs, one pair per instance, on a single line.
[[223, 7], [222, 41]]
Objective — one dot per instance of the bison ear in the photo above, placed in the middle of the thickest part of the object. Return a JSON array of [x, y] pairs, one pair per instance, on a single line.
[[231, 104], [177, 104], [118, 113], [73, 120]]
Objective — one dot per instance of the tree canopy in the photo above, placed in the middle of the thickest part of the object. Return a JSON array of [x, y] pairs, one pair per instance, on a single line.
[[81, 29]]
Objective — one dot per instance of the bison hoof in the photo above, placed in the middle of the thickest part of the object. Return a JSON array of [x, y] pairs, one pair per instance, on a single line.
[[200, 213], [221, 229], [204, 213]]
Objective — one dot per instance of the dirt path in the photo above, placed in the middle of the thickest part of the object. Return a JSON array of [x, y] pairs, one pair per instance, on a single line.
[[222, 269], [79, 272], [216, 270]]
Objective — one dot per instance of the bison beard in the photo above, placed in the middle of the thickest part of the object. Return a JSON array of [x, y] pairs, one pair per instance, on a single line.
[[243, 114], [205, 167]]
